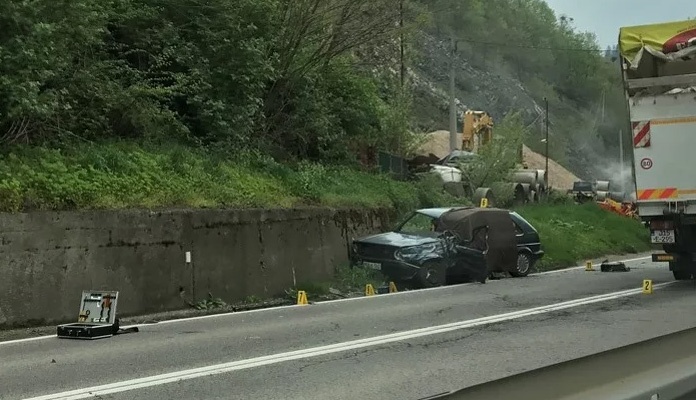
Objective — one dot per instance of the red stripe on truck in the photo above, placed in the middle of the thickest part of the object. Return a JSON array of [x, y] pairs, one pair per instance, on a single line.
[[641, 134]]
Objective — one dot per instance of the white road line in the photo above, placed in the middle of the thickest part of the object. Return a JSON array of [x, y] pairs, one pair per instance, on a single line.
[[200, 317], [155, 380], [555, 271]]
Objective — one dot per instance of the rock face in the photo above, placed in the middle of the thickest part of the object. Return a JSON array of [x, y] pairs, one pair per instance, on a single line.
[[481, 84]]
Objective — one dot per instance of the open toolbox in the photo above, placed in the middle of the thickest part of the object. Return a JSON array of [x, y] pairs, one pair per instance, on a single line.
[[97, 318]]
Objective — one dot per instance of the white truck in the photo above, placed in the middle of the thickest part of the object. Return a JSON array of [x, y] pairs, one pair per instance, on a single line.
[[658, 64]]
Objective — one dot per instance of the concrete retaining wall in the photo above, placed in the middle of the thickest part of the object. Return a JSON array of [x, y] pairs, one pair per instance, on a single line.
[[48, 258]]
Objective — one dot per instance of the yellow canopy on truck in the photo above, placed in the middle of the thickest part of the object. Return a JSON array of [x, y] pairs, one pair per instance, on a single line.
[[667, 41]]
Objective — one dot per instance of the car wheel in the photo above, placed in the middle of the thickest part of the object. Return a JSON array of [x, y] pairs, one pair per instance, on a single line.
[[432, 274], [524, 265]]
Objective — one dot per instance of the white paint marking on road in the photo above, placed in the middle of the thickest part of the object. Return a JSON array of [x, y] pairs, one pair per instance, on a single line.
[[555, 271], [200, 317], [156, 380]]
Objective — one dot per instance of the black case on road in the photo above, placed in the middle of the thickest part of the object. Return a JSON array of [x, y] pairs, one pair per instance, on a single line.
[[97, 318]]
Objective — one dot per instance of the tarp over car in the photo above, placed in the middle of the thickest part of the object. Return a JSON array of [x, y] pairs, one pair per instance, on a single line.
[[469, 225]]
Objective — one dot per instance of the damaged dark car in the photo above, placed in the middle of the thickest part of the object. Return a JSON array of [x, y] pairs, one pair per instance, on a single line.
[[436, 246]]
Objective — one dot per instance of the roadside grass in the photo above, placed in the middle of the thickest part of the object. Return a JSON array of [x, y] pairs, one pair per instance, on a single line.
[[125, 175], [571, 233], [346, 282]]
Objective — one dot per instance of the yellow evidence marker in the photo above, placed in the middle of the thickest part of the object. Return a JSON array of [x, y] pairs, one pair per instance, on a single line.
[[647, 286], [589, 266], [302, 298], [392, 287], [369, 290], [484, 203]]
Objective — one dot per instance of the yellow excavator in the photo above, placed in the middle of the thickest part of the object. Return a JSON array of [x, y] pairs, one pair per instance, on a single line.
[[477, 130]]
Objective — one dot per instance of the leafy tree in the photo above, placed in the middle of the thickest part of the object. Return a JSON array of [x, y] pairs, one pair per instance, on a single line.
[[496, 160]]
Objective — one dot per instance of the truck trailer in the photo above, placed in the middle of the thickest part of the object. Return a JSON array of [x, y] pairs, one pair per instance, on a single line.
[[658, 65]]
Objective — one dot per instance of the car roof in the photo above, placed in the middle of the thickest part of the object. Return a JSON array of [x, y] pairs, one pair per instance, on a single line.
[[437, 212], [434, 212]]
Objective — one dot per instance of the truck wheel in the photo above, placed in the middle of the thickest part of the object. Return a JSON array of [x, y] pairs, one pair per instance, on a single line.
[[432, 274], [681, 275], [524, 265]]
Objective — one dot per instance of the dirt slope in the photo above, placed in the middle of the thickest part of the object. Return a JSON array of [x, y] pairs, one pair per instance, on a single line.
[[559, 177]]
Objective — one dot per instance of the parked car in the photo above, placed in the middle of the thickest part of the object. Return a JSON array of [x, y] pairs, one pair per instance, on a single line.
[[434, 245]]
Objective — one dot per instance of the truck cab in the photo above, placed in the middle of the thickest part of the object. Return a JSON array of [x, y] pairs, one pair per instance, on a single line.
[[658, 65]]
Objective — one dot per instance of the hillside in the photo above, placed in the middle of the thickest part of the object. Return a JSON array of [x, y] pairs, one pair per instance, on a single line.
[[549, 58], [152, 103]]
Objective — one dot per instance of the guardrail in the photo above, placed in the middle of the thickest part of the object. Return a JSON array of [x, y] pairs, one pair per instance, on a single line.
[[663, 368]]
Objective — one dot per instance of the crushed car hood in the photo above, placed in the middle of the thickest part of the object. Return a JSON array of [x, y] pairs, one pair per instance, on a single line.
[[396, 239]]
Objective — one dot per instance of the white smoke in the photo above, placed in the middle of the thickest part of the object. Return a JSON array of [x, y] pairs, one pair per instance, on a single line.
[[621, 179]]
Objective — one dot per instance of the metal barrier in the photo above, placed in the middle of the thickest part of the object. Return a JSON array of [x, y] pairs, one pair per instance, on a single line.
[[663, 368]]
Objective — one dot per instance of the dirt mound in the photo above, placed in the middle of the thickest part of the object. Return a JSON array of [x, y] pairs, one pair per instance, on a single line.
[[559, 177], [437, 143]]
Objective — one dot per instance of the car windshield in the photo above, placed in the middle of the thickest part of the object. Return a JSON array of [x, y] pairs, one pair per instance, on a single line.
[[418, 223]]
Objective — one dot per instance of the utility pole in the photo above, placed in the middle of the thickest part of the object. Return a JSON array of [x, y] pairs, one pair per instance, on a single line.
[[401, 40], [621, 161], [453, 106], [546, 172]]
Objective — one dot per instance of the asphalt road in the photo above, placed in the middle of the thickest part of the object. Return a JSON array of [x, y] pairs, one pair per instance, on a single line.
[[250, 354]]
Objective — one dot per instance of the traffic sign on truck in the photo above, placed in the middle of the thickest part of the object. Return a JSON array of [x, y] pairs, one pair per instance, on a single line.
[[658, 65]]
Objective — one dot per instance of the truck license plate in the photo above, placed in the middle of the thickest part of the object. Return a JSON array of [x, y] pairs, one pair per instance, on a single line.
[[662, 236], [372, 265]]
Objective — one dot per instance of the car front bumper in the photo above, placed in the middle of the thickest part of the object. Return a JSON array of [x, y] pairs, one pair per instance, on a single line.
[[393, 269]]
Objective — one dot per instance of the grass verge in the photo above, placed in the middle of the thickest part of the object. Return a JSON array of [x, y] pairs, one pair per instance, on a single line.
[[570, 233], [125, 175]]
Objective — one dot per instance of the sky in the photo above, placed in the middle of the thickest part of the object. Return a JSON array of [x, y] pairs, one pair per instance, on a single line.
[[605, 17]]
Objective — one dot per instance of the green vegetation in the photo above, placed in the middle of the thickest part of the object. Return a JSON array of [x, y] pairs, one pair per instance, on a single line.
[[571, 233], [125, 175], [346, 282], [276, 76], [152, 103]]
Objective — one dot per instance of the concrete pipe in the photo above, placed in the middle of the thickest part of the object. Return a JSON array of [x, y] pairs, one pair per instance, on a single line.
[[617, 196], [537, 189], [527, 188], [602, 186], [533, 195], [525, 176], [602, 195], [541, 177], [519, 194], [481, 193], [541, 188]]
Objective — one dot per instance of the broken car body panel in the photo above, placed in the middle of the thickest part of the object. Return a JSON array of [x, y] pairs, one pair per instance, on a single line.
[[484, 229]]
